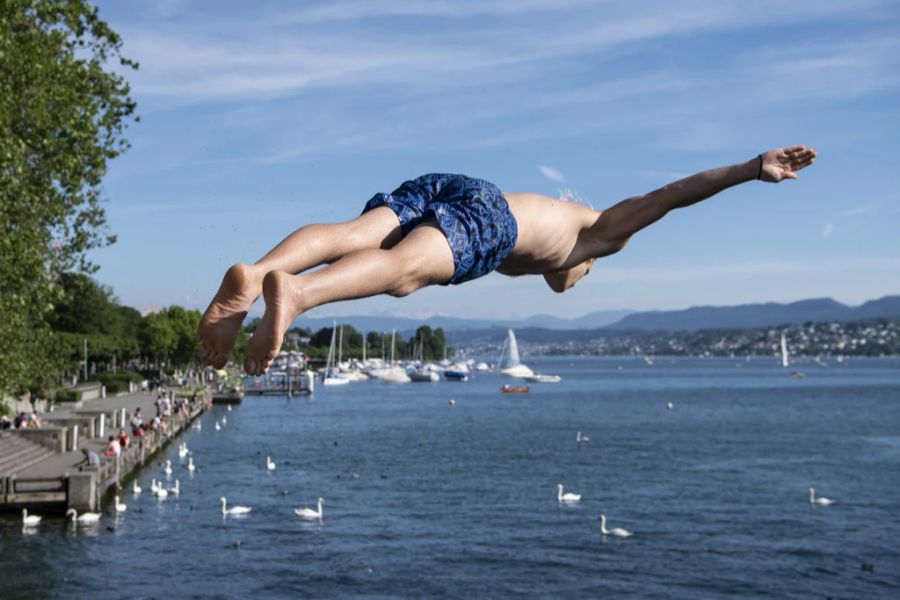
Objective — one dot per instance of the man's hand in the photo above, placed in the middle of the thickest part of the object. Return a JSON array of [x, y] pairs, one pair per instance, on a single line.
[[783, 163]]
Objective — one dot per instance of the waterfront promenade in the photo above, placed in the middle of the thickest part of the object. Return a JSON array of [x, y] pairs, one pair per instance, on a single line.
[[40, 468]]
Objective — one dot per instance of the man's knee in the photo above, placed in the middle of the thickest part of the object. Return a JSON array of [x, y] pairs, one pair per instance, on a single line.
[[408, 277]]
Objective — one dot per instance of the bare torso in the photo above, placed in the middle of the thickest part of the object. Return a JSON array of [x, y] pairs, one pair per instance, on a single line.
[[549, 233]]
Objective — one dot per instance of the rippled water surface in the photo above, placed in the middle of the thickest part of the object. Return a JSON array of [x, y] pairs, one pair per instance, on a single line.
[[460, 501]]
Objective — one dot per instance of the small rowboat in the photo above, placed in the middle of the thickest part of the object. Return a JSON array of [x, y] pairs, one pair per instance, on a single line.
[[514, 389]]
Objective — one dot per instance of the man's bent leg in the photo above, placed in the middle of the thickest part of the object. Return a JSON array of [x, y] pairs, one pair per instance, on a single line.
[[307, 247], [422, 258]]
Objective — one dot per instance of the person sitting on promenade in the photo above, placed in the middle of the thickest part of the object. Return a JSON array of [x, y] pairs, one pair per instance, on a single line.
[[5, 423], [34, 420], [90, 459], [112, 447], [19, 421], [123, 439], [164, 425], [444, 229]]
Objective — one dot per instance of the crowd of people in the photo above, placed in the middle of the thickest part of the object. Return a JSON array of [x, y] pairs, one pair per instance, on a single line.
[[22, 420]]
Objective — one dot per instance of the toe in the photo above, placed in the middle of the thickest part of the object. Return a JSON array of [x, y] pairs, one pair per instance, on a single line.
[[249, 366], [219, 360]]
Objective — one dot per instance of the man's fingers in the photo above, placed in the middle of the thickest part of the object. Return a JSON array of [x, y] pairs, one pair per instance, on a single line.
[[794, 149], [790, 175]]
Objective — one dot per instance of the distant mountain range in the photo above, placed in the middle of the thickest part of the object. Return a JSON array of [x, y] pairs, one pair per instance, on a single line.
[[406, 325], [690, 319], [759, 315]]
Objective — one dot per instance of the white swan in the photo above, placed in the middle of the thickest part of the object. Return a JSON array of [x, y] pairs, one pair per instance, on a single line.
[[119, 506], [135, 488], [308, 513], [616, 531], [229, 408], [821, 500], [182, 450], [218, 427], [87, 518], [198, 426], [191, 466], [670, 405], [161, 492], [224, 420], [569, 497], [153, 486], [582, 438], [234, 510], [269, 464], [168, 469], [31, 521], [175, 490]]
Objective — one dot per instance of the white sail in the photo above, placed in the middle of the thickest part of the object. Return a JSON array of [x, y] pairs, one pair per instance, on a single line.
[[784, 350], [331, 377], [510, 364]]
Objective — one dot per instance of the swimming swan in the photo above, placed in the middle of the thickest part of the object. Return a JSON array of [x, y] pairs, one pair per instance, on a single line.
[[308, 513], [191, 466], [616, 531], [582, 438], [570, 497], [119, 506], [175, 490], [218, 427], [269, 464], [87, 518], [821, 500], [168, 469], [234, 510], [31, 521], [135, 489]]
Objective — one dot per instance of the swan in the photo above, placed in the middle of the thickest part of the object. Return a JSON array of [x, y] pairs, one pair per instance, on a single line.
[[308, 513], [269, 464], [153, 487], [218, 427], [198, 426], [31, 521], [821, 500], [168, 469], [182, 450], [229, 408], [224, 420], [161, 492], [570, 497], [119, 506], [175, 490], [135, 489], [87, 518], [191, 466], [615, 531], [582, 438], [670, 405], [234, 510]]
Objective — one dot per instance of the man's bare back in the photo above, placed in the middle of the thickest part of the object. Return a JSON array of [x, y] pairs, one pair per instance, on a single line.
[[383, 252]]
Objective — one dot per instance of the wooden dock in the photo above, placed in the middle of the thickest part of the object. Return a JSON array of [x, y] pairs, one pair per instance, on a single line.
[[39, 468]]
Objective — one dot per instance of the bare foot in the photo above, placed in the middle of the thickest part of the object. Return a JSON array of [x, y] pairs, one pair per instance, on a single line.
[[220, 323], [283, 304]]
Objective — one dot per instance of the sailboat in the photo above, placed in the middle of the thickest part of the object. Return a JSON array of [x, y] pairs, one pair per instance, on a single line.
[[509, 363], [394, 373], [784, 350], [330, 377]]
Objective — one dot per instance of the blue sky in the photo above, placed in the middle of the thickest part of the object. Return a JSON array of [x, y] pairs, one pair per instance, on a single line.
[[259, 117]]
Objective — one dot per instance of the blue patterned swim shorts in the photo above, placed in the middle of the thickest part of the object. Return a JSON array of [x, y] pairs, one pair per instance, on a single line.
[[472, 213]]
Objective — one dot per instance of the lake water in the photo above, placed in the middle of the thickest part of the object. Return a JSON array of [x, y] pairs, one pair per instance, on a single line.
[[460, 501]]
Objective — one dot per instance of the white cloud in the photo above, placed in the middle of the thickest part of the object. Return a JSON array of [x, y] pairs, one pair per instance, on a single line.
[[551, 173]]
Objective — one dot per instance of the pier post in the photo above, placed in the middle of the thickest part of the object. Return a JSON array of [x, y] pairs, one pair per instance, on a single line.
[[101, 433], [81, 493], [73, 439], [122, 416]]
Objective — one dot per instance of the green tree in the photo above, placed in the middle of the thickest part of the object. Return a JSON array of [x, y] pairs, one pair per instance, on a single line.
[[63, 110]]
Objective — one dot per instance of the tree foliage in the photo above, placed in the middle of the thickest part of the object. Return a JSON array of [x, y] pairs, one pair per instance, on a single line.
[[63, 110]]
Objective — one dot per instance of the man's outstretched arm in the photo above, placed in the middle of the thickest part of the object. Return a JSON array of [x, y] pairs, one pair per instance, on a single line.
[[619, 222]]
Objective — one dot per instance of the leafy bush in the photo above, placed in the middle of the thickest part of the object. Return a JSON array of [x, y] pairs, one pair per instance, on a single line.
[[66, 395]]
